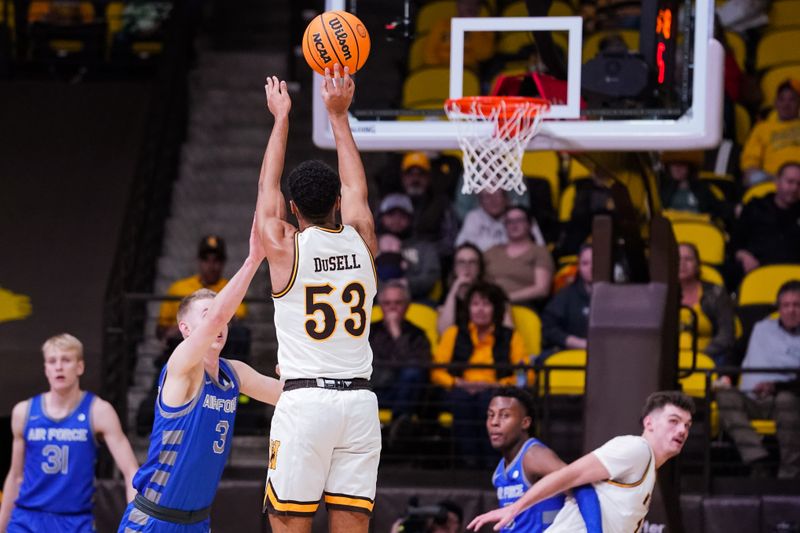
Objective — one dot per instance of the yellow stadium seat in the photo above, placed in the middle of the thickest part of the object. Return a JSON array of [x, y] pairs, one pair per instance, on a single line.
[[784, 13], [560, 9], [565, 382], [421, 315], [577, 170], [773, 78], [763, 427], [708, 238], [566, 203], [758, 190], [431, 86], [591, 45], [434, 11], [515, 9], [416, 55], [743, 123], [711, 275], [674, 215], [760, 286], [737, 46], [512, 42], [529, 326], [695, 383], [543, 165], [778, 48]]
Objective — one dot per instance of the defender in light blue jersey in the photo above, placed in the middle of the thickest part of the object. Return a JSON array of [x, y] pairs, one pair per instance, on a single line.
[[525, 460], [50, 485], [195, 412]]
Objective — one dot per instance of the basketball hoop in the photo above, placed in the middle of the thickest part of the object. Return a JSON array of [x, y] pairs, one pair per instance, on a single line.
[[493, 155]]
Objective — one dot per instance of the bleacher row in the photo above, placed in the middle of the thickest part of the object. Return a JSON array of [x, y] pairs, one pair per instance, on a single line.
[[84, 32], [756, 299]]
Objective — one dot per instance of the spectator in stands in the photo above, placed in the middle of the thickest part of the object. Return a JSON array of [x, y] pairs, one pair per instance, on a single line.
[[449, 519], [483, 226], [522, 268], [682, 190], [434, 219], [478, 45], [395, 216], [484, 340], [712, 305], [776, 140], [389, 262], [400, 351], [210, 264], [565, 320], [768, 230], [468, 268], [775, 343]]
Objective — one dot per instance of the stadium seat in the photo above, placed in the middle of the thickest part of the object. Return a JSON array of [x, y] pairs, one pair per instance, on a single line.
[[416, 54], [711, 275], [431, 87], [591, 45], [544, 165], [708, 238], [673, 215], [511, 42], [529, 326], [421, 315], [577, 170], [738, 47], [695, 383], [564, 382], [441, 9], [10, 21], [724, 182], [784, 14], [772, 79], [758, 191], [743, 123], [560, 9], [760, 286], [778, 48], [566, 203]]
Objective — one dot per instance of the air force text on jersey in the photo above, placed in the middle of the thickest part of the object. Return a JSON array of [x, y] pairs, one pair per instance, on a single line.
[[336, 262], [60, 434]]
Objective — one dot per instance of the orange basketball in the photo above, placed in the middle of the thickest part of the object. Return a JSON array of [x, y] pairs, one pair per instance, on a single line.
[[336, 37]]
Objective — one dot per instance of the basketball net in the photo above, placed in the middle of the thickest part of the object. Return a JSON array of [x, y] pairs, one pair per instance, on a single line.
[[493, 155]]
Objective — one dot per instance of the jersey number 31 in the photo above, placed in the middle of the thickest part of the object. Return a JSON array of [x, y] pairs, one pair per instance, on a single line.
[[353, 295]]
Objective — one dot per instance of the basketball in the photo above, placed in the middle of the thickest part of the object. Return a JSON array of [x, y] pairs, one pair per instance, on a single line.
[[336, 37]]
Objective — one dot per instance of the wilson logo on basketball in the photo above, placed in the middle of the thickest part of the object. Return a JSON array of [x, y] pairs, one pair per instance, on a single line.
[[341, 36], [323, 53]]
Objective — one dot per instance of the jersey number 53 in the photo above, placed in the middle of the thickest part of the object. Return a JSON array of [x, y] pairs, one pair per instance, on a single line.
[[353, 295]]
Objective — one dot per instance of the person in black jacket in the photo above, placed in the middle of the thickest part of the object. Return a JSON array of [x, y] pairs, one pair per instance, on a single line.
[[768, 230], [682, 190], [565, 320]]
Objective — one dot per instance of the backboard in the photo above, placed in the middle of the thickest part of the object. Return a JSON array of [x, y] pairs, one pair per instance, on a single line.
[[676, 60]]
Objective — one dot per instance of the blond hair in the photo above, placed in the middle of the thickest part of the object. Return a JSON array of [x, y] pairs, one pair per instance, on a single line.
[[199, 294], [64, 342]]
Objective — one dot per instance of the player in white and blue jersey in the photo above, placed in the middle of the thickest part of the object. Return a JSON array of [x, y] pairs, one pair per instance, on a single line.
[[195, 412], [526, 459], [50, 485]]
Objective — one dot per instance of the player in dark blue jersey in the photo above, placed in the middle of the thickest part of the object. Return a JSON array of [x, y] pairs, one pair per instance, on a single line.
[[50, 485], [195, 412], [525, 460]]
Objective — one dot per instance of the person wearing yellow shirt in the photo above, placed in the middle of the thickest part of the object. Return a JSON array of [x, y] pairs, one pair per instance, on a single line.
[[483, 340], [211, 258], [776, 140]]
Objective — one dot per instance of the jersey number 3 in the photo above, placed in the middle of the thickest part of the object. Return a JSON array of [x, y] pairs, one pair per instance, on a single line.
[[353, 295]]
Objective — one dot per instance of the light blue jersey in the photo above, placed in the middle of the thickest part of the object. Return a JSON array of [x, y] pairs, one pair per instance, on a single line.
[[189, 447], [511, 484], [58, 476]]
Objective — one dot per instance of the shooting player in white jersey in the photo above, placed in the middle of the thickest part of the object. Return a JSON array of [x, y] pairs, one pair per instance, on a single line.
[[325, 436], [623, 472]]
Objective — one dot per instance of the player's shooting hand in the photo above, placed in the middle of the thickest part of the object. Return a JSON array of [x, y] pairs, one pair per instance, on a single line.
[[337, 90], [278, 100], [503, 517]]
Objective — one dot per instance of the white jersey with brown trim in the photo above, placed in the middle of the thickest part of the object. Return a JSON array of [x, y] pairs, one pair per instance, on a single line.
[[625, 497], [322, 317]]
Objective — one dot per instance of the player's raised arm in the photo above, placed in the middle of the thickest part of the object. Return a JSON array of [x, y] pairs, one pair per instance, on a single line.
[[14, 478], [587, 469], [185, 366], [271, 203], [337, 94], [106, 422], [255, 384]]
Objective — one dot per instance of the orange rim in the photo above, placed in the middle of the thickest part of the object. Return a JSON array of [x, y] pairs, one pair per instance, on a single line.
[[485, 105]]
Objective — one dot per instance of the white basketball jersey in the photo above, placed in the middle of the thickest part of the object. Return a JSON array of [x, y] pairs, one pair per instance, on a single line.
[[624, 504], [322, 317]]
